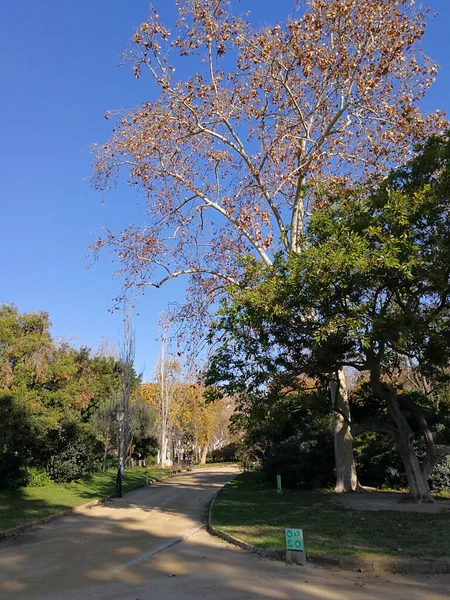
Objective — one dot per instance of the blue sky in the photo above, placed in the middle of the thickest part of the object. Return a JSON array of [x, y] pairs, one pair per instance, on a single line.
[[59, 74]]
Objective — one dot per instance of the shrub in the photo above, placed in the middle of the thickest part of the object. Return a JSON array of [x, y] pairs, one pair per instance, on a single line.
[[144, 448], [225, 454], [378, 462], [379, 465], [13, 473], [440, 477], [303, 463], [81, 456], [37, 477]]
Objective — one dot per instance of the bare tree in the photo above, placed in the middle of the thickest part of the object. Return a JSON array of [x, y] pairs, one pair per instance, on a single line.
[[127, 378], [167, 379]]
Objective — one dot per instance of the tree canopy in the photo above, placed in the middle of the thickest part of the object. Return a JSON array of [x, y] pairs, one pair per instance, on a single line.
[[232, 158], [370, 291]]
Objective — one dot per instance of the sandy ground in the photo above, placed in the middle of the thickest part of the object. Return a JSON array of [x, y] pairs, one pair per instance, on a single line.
[[152, 544]]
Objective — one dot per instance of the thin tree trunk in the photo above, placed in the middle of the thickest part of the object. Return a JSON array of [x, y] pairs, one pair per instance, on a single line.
[[204, 454], [346, 478], [163, 449], [105, 454]]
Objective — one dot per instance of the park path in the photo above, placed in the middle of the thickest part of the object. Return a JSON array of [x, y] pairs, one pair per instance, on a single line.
[[151, 544]]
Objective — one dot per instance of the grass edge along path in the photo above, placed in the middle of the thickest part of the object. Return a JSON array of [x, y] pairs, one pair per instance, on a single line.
[[249, 509], [17, 507]]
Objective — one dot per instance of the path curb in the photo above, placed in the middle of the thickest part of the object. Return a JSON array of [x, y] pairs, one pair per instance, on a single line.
[[405, 565], [15, 531]]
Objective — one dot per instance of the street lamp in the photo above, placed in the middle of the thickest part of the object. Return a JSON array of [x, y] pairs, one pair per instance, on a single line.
[[120, 416]]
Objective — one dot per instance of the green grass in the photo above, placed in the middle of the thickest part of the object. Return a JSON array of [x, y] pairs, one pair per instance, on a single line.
[[252, 511], [29, 503]]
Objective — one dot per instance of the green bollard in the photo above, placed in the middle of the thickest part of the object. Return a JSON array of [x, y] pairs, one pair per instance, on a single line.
[[279, 490]]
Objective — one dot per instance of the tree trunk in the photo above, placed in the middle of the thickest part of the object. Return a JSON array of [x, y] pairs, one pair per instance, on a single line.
[[163, 449], [417, 482], [105, 454], [346, 478], [204, 454]]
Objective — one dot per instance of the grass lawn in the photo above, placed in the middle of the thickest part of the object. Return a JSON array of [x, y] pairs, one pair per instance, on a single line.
[[249, 509], [26, 504]]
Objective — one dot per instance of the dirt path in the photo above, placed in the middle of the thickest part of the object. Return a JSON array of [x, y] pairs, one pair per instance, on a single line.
[[151, 545]]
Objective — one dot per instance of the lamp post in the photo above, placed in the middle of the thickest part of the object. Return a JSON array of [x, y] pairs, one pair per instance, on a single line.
[[120, 415]]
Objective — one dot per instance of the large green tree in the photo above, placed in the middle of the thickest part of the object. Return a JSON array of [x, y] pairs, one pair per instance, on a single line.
[[370, 290]]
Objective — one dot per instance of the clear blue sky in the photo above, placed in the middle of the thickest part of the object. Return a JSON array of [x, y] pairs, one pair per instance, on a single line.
[[59, 74]]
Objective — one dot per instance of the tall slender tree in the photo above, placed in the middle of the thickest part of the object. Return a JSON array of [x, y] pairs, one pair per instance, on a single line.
[[168, 372]]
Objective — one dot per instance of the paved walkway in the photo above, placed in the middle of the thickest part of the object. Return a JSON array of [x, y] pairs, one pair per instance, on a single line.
[[151, 545]]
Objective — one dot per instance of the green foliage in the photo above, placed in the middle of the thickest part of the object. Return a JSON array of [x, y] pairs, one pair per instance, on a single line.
[[440, 476], [144, 448], [51, 396], [37, 477], [372, 279], [13, 473], [305, 461], [79, 453], [226, 454], [378, 462], [370, 290], [25, 345]]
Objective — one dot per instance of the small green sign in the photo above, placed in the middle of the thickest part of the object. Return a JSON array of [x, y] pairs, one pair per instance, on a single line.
[[294, 539]]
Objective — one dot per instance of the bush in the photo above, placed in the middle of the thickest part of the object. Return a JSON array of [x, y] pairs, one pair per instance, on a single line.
[[440, 477], [225, 454], [37, 477], [80, 457], [303, 463], [13, 473], [378, 462], [145, 447]]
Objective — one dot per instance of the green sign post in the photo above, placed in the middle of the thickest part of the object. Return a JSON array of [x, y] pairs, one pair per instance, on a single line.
[[279, 490], [295, 548]]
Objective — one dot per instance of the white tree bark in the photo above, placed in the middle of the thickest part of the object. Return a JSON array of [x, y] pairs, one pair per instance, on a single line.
[[204, 454], [167, 381], [346, 479]]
